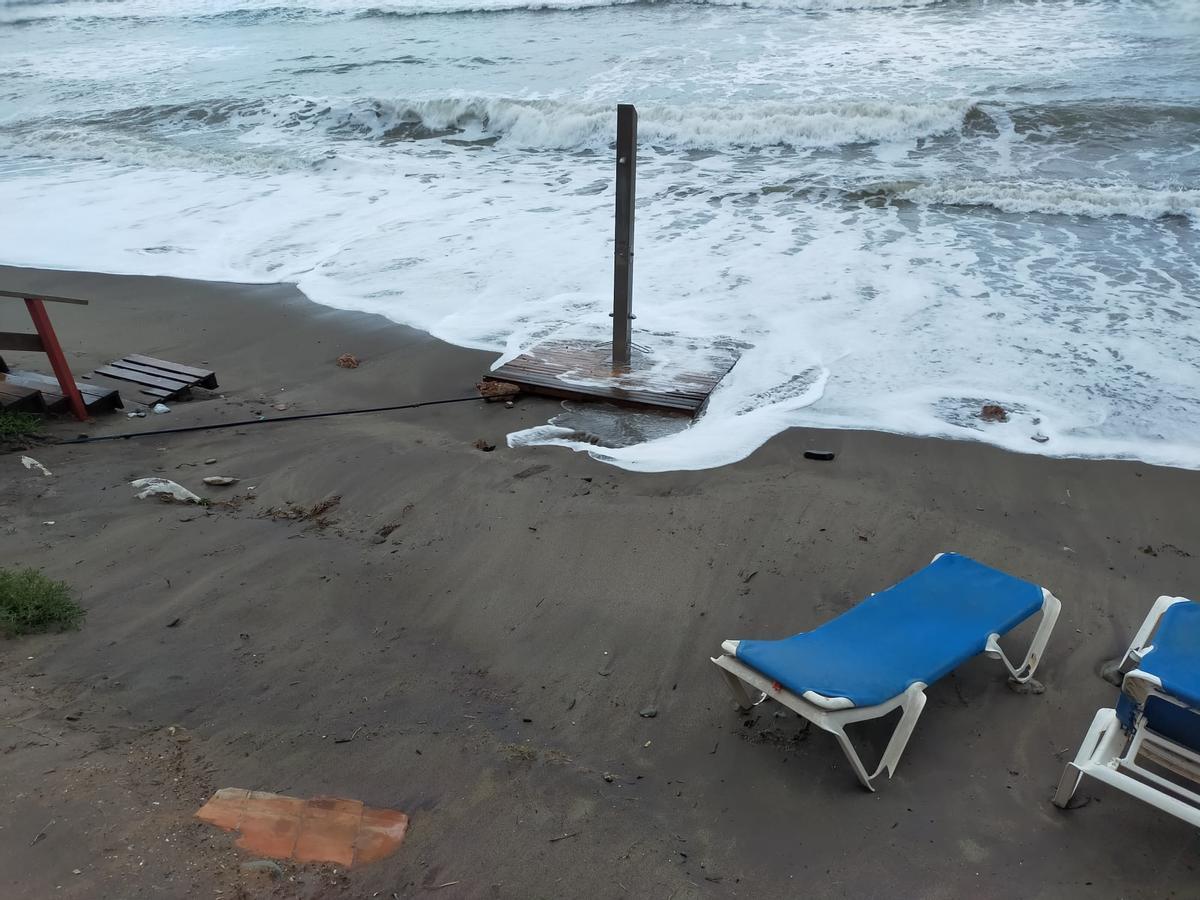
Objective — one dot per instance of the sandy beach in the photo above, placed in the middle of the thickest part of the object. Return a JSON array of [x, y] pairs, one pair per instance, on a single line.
[[470, 637]]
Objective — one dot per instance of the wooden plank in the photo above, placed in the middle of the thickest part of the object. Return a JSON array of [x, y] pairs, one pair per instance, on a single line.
[[21, 398], [42, 382], [166, 384], [94, 397], [20, 340], [180, 380], [204, 377], [34, 295]]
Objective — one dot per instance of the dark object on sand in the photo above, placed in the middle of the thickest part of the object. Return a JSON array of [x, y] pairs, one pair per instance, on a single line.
[[993, 412], [483, 445], [158, 378], [347, 361], [491, 391], [648, 713], [819, 454]]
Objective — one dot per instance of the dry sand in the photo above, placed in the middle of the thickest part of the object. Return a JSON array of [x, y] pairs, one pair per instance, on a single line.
[[490, 656]]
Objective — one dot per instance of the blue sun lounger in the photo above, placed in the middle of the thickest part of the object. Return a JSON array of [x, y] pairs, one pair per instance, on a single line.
[[1156, 720], [883, 653]]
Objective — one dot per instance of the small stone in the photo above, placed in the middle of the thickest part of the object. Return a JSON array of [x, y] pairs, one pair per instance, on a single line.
[[497, 390], [1040, 438], [485, 446], [993, 412], [1111, 672], [1032, 686], [265, 867], [282, 407], [648, 713], [347, 361], [508, 404], [609, 778], [220, 480], [212, 460]]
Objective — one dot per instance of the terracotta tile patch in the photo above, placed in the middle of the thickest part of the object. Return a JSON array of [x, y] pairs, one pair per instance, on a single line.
[[380, 834], [328, 831], [323, 829], [225, 808]]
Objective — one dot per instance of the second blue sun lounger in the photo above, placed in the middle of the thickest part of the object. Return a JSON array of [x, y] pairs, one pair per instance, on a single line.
[[883, 653], [1149, 745]]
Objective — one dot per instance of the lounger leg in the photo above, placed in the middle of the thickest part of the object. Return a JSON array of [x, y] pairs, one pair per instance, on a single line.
[[738, 689], [1073, 773], [913, 703], [1050, 610], [852, 755]]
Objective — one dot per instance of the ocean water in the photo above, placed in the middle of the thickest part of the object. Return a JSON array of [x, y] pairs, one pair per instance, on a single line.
[[897, 210]]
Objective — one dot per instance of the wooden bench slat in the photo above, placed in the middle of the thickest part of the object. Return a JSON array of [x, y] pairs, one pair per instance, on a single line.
[[93, 396], [140, 378], [20, 340], [181, 380], [33, 295], [20, 398]]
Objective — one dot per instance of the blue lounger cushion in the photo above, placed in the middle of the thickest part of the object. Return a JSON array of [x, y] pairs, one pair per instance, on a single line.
[[918, 630], [1175, 662]]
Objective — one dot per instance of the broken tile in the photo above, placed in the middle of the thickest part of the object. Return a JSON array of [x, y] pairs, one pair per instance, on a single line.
[[323, 829], [328, 831], [380, 834], [225, 808], [268, 833]]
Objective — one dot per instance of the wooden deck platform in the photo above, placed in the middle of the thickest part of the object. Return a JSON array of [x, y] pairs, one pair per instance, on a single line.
[[158, 378], [583, 371]]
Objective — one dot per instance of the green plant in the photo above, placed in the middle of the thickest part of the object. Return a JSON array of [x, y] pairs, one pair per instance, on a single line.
[[18, 424], [30, 602]]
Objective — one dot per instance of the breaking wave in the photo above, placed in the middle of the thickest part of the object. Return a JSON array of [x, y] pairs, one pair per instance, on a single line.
[[1060, 198], [26, 12], [542, 124]]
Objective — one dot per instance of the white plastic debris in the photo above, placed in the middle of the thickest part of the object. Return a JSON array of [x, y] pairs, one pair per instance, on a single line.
[[161, 408], [30, 463], [164, 487], [136, 414]]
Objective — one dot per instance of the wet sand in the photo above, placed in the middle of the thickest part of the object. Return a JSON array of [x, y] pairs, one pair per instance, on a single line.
[[490, 655]]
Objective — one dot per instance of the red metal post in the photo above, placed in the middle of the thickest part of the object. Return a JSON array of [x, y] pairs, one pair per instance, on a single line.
[[58, 362]]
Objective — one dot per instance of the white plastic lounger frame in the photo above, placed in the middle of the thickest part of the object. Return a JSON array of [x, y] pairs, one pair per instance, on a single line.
[[833, 714], [1110, 755]]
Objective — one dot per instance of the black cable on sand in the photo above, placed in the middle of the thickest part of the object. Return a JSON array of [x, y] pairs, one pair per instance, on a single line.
[[242, 423]]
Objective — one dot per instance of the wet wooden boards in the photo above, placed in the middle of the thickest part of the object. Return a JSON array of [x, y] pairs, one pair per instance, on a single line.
[[580, 371], [52, 399], [158, 377]]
